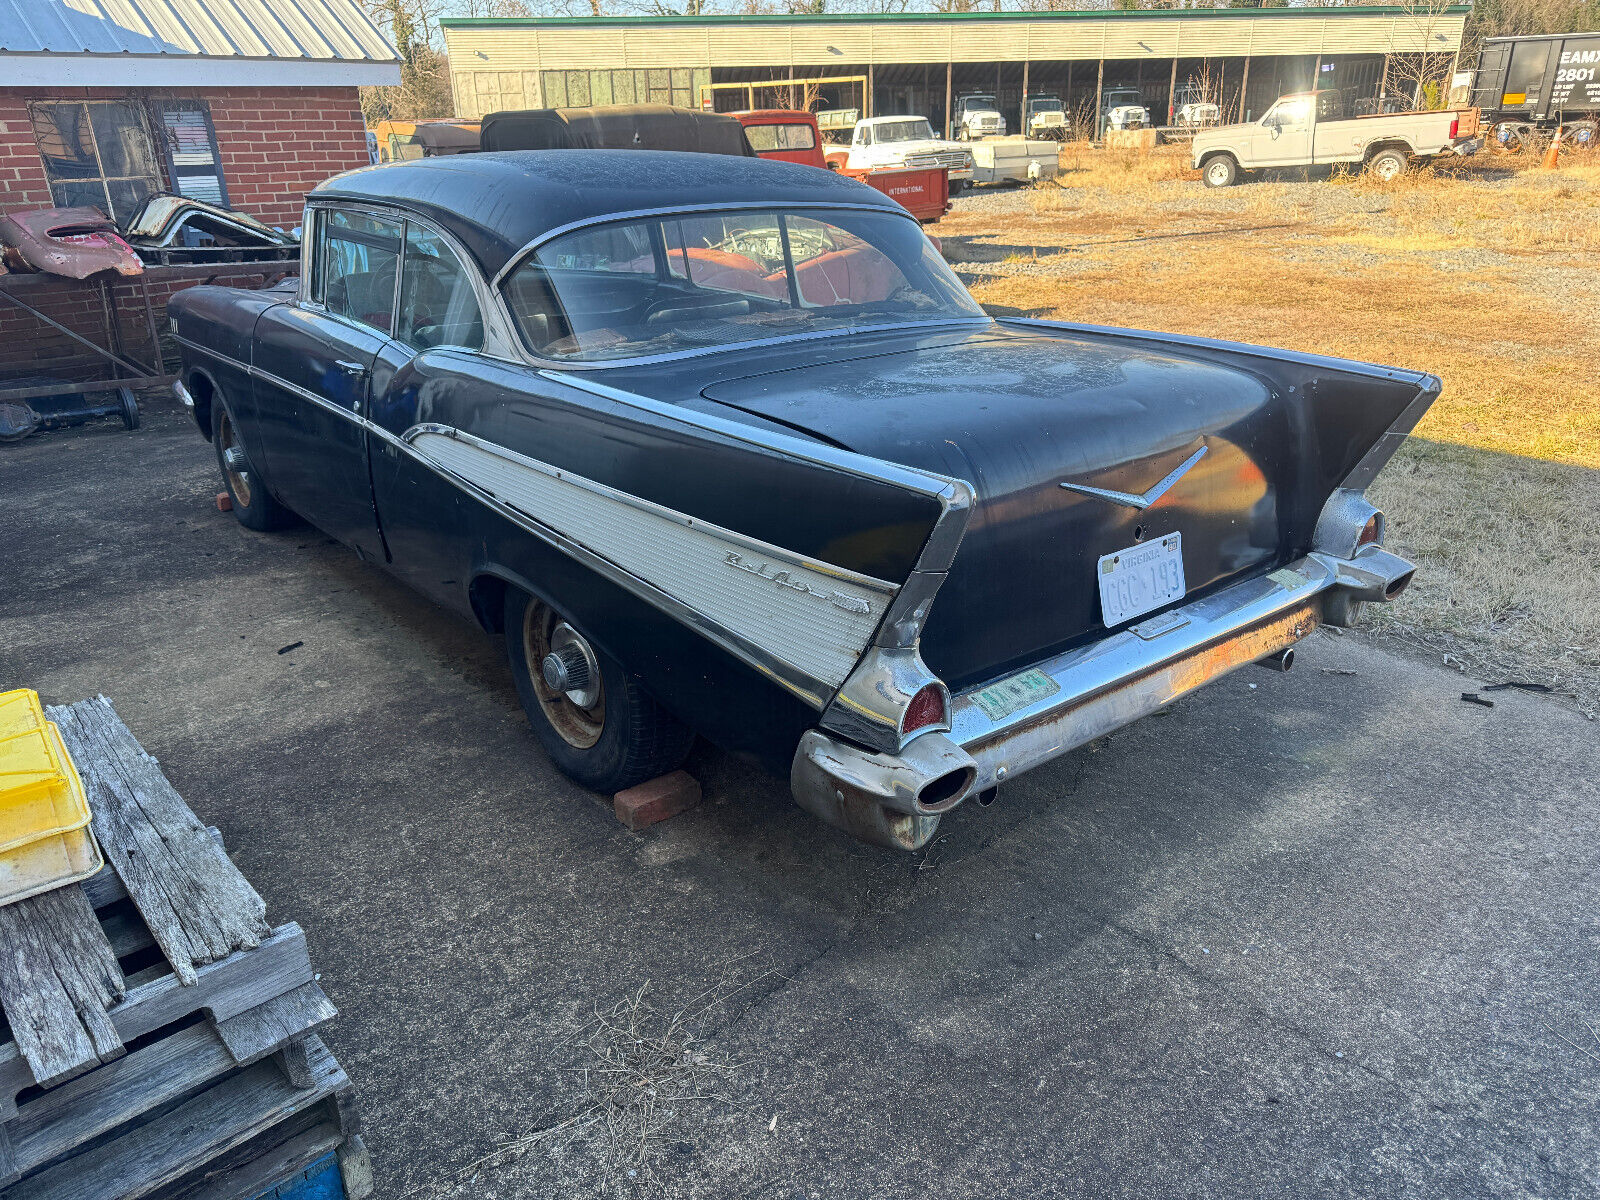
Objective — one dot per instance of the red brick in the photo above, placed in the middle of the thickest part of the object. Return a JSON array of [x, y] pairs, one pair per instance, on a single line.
[[657, 799]]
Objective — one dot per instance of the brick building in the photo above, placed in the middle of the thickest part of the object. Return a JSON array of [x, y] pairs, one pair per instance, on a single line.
[[246, 103]]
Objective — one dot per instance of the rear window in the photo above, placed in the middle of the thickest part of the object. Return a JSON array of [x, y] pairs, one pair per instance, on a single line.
[[636, 289], [780, 137]]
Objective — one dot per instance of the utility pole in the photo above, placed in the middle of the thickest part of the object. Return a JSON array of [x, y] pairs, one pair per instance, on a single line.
[[1099, 89]]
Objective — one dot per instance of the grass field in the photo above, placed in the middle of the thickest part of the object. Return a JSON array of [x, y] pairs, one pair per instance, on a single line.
[[1482, 273]]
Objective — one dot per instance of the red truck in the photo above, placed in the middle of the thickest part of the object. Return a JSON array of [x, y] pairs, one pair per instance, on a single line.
[[791, 136]]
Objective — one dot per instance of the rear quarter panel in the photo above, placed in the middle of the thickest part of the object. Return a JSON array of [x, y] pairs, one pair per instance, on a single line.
[[448, 543]]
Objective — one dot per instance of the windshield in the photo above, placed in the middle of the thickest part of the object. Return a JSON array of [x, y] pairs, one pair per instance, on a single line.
[[766, 138], [634, 289], [1040, 106], [1289, 112], [915, 129]]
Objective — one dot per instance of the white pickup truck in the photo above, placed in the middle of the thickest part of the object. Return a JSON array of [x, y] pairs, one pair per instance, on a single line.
[[1310, 128], [887, 143]]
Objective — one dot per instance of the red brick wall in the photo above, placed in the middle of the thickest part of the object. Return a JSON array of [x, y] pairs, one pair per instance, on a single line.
[[22, 182], [276, 143], [279, 143], [30, 347]]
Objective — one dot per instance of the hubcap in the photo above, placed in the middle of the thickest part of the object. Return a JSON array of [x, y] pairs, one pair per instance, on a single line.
[[233, 461], [1218, 172], [568, 685], [1388, 169]]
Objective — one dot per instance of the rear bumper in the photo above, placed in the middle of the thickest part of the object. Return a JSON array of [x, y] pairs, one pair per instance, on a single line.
[[1077, 696]]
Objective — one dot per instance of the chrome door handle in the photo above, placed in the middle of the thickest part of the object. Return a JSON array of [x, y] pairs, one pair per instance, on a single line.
[[353, 368]]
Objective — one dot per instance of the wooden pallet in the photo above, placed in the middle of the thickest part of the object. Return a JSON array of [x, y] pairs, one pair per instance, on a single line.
[[158, 1033]]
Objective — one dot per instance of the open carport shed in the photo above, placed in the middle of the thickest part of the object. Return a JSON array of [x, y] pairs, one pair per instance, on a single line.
[[918, 62]]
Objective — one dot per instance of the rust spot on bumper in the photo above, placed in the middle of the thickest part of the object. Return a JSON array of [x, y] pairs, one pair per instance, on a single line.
[[1054, 733]]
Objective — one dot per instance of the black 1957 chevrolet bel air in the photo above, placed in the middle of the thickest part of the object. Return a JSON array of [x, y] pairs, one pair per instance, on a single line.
[[721, 445]]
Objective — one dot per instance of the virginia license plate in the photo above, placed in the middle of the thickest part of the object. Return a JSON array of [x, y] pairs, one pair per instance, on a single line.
[[1140, 578]]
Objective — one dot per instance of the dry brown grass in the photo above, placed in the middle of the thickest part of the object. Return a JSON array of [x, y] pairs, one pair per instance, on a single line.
[[1482, 274]]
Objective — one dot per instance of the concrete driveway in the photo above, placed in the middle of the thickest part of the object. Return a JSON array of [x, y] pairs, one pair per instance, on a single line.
[[1302, 935]]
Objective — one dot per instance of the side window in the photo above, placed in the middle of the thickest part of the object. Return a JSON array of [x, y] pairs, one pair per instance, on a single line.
[[437, 304], [97, 153], [357, 260]]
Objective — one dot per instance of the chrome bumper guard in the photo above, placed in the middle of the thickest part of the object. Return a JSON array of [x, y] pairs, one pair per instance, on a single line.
[[897, 800]]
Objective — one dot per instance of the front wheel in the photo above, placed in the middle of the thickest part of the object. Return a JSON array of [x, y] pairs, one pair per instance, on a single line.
[[1220, 172], [1388, 165], [254, 507], [594, 719]]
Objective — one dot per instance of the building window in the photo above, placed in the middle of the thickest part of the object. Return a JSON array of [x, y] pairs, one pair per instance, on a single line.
[[97, 153], [190, 143]]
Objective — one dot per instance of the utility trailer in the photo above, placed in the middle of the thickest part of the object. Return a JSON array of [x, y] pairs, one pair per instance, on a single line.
[[1531, 85]]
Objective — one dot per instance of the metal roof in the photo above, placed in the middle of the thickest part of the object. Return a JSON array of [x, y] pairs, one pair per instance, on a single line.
[[326, 31]]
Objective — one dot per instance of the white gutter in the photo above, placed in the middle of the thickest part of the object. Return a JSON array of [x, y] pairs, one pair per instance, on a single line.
[[189, 70]]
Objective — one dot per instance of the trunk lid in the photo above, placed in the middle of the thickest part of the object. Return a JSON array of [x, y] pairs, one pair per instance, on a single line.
[[1018, 414]]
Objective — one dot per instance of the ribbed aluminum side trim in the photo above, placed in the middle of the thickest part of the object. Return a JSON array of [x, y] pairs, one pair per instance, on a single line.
[[808, 615]]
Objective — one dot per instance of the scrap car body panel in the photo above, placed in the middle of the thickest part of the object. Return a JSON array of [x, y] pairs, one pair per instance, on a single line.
[[818, 505]]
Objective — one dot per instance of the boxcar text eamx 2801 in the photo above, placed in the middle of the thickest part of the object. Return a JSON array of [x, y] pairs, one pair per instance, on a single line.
[[722, 445]]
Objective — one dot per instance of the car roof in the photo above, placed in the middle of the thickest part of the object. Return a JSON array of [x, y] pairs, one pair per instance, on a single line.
[[495, 204], [773, 115]]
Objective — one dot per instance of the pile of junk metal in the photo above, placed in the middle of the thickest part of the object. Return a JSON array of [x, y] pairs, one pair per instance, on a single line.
[[72, 261]]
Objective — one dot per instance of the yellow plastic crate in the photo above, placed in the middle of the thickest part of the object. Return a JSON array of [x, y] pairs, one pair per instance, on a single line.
[[40, 792], [48, 862]]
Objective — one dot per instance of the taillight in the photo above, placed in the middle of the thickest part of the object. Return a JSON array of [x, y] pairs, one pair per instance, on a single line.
[[926, 708], [1371, 532], [1454, 126]]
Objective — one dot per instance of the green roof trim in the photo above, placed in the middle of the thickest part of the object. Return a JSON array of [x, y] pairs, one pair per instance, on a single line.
[[1358, 10]]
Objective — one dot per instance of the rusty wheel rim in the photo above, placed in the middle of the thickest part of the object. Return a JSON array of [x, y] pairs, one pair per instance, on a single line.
[[238, 481], [579, 726]]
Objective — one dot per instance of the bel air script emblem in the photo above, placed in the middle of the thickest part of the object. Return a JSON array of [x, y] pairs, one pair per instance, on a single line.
[[850, 604]]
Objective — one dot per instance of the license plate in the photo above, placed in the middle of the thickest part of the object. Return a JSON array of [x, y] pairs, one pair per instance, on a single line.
[[1140, 578]]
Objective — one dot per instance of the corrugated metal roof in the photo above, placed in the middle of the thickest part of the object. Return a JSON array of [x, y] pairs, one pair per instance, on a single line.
[[311, 30]]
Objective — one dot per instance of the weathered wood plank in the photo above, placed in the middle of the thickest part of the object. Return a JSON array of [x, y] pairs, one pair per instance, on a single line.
[[64, 1118], [294, 1060], [355, 1168], [257, 1176], [198, 906], [91, 1105], [266, 1027], [145, 1159], [104, 888], [155, 998], [58, 976]]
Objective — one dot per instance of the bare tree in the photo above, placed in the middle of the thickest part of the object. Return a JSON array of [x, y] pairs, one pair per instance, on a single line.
[[424, 89], [1422, 74]]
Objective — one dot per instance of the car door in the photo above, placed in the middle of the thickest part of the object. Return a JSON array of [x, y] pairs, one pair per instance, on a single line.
[[1288, 128], [313, 363], [440, 313]]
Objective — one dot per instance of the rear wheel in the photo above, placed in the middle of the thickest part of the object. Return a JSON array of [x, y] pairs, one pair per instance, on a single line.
[[1221, 171], [594, 720], [251, 503], [1389, 164]]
